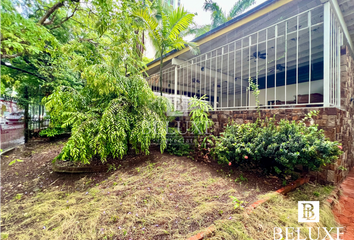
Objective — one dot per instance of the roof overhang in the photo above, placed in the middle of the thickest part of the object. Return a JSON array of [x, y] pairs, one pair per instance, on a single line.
[[243, 19], [344, 10], [344, 23]]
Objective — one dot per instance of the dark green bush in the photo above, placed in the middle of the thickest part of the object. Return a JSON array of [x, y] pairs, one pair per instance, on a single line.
[[175, 143], [276, 148]]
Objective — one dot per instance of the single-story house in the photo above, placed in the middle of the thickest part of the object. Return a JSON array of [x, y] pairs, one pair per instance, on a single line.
[[299, 52]]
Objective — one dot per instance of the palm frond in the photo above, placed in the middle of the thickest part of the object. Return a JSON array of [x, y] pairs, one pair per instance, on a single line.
[[149, 21], [198, 30], [239, 7], [217, 15], [179, 21]]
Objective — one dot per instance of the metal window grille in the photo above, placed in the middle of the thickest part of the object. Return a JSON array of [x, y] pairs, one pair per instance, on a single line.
[[288, 60]]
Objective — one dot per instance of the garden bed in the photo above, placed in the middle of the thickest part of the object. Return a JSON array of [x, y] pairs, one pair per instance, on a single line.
[[160, 196], [141, 197]]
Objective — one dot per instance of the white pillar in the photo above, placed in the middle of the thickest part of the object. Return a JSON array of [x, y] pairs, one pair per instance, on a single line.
[[175, 102], [216, 85], [326, 52]]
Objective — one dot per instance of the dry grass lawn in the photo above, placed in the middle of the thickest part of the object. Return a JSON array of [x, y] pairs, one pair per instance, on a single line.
[[162, 197]]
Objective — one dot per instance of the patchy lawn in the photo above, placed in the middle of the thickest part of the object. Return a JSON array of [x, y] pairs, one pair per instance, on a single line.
[[280, 212], [155, 197]]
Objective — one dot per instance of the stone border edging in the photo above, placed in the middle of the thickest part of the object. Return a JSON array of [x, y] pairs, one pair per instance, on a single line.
[[284, 190], [8, 150]]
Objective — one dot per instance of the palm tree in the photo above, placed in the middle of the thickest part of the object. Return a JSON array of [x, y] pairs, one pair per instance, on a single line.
[[218, 17], [166, 27]]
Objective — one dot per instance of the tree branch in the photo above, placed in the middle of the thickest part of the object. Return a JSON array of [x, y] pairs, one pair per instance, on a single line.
[[88, 40], [10, 56], [66, 18], [51, 21], [50, 12], [24, 71]]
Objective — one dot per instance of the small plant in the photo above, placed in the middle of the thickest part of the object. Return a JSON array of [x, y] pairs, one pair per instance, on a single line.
[[18, 196], [238, 203], [317, 194], [199, 112], [342, 168], [284, 182], [111, 167], [241, 178], [255, 92], [175, 143], [4, 235]]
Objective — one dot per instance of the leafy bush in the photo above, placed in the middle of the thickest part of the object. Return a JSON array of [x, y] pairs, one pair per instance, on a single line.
[[176, 144], [54, 129], [109, 117], [199, 112], [276, 148]]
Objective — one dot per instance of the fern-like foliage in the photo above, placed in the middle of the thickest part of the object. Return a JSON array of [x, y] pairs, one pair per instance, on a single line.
[[109, 119]]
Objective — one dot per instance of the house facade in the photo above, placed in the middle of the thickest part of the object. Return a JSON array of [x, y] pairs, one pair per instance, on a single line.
[[298, 52]]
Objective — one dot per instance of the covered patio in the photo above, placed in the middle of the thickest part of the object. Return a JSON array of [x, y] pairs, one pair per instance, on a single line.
[[290, 49]]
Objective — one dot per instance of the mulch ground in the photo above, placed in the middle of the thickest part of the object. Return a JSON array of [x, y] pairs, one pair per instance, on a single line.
[[35, 173]]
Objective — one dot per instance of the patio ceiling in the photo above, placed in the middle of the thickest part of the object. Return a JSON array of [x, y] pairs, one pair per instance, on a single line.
[[347, 9]]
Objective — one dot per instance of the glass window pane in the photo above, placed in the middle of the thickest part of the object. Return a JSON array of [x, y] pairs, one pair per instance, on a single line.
[[291, 69], [317, 64], [280, 71], [270, 73], [245, 72], [292, 24], [303, 23], [317, 15], [303, 69]]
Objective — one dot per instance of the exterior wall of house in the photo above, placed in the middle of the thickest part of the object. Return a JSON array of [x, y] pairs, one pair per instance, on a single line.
[[338, 124]]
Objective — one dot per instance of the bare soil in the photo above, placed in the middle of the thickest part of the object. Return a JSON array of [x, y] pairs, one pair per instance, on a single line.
[[35, 173], [141, 197]]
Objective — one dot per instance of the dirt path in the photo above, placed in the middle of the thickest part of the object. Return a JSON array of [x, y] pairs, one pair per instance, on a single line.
[[345, 212]]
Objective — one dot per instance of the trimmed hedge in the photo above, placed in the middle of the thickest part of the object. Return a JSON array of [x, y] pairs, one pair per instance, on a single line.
[[276, 148]]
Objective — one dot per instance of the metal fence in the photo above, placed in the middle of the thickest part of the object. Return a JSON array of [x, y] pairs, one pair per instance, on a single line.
[[13, 131]]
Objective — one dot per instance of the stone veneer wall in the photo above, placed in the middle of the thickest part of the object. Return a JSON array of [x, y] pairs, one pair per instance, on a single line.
[[336, 123]]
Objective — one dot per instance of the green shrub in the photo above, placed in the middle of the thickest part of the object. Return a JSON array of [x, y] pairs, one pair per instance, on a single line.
[[276, 148], [54, 129], [199, 112], [175, 143]]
